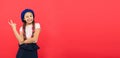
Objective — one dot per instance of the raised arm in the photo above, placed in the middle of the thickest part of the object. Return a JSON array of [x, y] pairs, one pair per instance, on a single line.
[[17, 35]]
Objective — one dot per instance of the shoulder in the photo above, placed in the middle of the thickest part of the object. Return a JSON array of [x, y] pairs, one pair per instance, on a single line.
[[21, 28], [37, 25]]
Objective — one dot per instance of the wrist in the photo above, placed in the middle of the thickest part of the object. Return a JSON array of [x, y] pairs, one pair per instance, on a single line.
[[14, 28], [21, 42]]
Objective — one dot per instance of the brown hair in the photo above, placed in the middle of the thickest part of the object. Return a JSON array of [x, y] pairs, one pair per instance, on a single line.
[[24, 22]]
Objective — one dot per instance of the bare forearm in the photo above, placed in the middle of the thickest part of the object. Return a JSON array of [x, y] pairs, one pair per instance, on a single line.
[[29, 40], [20, 39], [34, 38]]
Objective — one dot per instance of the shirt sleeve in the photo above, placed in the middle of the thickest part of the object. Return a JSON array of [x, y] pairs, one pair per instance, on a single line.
[[37, 25]]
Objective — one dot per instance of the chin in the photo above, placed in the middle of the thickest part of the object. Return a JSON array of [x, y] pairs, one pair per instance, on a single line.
[[29, 22]]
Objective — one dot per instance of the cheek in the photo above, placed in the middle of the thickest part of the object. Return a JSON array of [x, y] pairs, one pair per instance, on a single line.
[[31, 17], [25, 19]]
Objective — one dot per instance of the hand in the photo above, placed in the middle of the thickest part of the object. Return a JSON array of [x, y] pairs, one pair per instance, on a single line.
[[12, 24]]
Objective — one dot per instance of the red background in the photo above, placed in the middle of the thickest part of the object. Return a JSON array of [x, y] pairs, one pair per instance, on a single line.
[[69, 28]]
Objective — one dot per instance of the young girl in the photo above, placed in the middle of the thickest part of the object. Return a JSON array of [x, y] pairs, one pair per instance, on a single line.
[[28, 36]]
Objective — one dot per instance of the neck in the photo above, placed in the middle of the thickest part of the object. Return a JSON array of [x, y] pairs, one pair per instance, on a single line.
[[28, 23]]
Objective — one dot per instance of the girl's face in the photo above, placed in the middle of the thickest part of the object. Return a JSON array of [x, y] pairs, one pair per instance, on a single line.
[[28, 17]]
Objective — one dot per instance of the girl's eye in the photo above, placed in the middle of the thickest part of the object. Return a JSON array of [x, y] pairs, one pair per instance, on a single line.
[[31, 16], [26, 16]]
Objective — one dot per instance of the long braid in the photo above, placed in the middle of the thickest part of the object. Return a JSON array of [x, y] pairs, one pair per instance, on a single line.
[[24, 33], [33, 28]]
